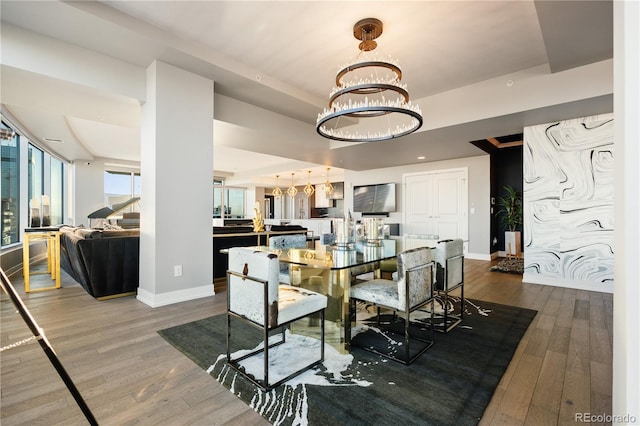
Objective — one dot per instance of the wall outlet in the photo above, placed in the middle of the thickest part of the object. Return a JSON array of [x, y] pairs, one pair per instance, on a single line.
[[177, 270]]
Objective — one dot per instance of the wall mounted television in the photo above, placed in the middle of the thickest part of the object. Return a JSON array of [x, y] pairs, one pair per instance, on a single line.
[[374, 199]]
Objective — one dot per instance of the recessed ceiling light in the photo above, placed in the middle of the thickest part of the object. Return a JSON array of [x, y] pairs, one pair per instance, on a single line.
[[53, 140], [422, 157]]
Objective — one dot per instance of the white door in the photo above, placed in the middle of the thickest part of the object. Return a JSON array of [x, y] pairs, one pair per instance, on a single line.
[[418, 210], [436, 203]]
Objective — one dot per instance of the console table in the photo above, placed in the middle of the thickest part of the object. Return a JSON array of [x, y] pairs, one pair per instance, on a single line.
[[51, 236]]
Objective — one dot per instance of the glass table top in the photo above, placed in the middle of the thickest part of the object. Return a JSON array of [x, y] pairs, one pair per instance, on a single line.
[[355, 254]]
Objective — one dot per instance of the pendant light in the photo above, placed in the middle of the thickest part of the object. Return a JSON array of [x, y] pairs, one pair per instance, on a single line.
[[277, 192], [292, 190], [328, 188], [309, 189]]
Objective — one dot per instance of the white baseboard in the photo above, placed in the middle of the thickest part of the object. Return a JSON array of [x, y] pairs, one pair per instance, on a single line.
[[163, 299], [478, 256], [502, 253], [606, 287]]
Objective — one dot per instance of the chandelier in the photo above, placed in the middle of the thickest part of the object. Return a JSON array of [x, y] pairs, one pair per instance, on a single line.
[[328, 188], [309, 189], [292, 190], [277, 192], [369, 103]]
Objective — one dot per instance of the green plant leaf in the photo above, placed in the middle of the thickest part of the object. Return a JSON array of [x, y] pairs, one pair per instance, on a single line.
[[510, 205]]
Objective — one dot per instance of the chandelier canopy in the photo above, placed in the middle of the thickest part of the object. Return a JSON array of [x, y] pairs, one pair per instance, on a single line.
[[369, 103]]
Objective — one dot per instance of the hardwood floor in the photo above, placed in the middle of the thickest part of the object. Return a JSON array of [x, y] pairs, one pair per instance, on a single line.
[[128, 374]]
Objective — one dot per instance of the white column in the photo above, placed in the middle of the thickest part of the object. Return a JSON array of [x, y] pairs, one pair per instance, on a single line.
[[626, 299], [176, 251]]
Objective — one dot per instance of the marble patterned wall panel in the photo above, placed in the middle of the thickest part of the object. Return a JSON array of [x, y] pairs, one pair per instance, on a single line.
[[568, 199]]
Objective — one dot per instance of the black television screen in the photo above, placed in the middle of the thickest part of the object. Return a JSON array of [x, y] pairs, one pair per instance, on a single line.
[[380, 198]]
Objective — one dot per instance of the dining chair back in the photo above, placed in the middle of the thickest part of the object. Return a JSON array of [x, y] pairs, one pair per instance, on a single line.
[[255, 297], [449, 258], [411, 291]]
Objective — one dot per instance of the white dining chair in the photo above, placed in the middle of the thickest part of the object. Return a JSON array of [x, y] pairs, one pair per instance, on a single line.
[[412, 290], [255, 297]]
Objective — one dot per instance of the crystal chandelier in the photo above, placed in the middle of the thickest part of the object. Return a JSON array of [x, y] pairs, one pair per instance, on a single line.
[[292, 190], [369, 103], [328, 188], [277, 192], [309, 189]]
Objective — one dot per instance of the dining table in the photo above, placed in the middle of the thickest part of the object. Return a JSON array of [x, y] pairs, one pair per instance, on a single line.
[[331, 270]]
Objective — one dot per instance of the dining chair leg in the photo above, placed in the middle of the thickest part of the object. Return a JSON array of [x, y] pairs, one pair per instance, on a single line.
[[406, 337], [322, 335]]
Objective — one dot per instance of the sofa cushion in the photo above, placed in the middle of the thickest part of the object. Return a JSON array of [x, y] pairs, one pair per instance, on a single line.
[[88, 233], [121, 233], [276, 228], [232, 229]]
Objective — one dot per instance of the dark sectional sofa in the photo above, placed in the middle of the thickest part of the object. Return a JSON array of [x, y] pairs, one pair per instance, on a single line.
[[104, 262]]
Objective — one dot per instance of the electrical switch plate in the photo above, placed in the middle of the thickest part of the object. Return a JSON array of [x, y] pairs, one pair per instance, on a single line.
[[177, 271]]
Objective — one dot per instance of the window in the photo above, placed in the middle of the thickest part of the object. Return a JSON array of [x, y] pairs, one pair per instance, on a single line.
[[35, 168], [235, 202], [217, 198], [10, 189], [121, 186], [45, 175], [229, 201]]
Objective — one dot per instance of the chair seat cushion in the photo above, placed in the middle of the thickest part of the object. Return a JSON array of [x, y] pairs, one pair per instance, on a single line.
[[296, 302], [378, 291]]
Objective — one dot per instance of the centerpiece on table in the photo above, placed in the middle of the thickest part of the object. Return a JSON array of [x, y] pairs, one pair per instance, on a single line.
[[258, 222]]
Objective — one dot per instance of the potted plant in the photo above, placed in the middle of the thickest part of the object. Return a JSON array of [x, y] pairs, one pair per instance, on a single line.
[[511, 216]]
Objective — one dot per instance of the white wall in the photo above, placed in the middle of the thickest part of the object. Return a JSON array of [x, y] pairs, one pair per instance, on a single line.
[[532, 88], [88, 194], [88, 186], [45, 55], [626, 298], [479, 195]]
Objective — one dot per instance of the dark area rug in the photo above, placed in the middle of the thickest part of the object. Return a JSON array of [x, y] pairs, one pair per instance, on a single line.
[[511, 266], [451, 383]]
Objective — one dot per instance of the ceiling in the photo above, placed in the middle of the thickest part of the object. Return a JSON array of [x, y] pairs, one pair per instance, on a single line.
[[282, 56]]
